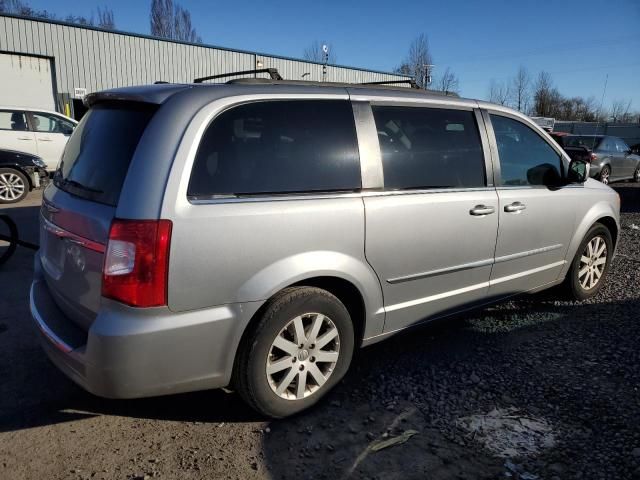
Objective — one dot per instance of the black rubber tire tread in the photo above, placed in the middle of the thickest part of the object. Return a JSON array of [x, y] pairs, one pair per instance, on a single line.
[[574, 288], [248, 375], [27, 185]]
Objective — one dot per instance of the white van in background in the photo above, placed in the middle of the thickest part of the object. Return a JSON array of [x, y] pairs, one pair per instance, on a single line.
[[37, 132]]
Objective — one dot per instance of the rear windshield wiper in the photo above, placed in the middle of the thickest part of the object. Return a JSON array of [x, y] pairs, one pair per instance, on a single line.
[[79, 186]]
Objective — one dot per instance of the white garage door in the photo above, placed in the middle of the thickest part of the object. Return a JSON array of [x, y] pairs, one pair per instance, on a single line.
[[26, 82]]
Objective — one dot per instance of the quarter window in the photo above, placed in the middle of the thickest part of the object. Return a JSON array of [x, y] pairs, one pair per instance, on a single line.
[[43, 122], [278, 147], [429, 148], [525, 157], [621, 146]]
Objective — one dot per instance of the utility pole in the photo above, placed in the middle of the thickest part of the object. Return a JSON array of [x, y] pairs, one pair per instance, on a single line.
[[325, 51], [426, 75]]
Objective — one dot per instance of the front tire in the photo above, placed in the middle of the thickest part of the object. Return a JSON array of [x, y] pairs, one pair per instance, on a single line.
[[605, 175], [591, 263], [14, 185], [636, 174], [300, 348]]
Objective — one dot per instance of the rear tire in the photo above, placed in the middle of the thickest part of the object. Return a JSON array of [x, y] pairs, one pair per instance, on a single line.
[[590, 266], [605, 175], [636, 174], [14, 185], [283, 364]]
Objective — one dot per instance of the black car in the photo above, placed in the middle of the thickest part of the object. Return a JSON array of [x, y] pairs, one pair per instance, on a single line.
[[19, 174]]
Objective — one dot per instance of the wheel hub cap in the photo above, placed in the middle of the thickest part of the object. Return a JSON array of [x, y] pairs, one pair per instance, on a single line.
[[303, 356], [592, 263], [11, 186]]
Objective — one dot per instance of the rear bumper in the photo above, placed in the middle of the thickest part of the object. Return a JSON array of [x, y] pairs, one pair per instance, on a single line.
[[130, 353], [594, 169]]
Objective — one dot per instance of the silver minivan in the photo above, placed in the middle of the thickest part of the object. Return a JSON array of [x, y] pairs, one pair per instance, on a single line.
[[250, 235]]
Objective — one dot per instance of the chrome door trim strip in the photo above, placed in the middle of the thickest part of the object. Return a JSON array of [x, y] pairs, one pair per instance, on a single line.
[[77, 239], [431, 298], [214, 200], [470, 288], [440, 271], [528, 253], [527, 272]]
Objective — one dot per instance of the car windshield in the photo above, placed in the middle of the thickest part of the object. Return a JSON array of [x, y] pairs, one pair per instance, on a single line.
[[589, 141]]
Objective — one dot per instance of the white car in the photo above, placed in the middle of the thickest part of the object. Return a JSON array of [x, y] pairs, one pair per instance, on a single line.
[[37, 132]]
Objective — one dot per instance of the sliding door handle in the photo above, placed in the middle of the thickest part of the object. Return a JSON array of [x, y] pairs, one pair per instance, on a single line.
[[480, 210], [514, 207]]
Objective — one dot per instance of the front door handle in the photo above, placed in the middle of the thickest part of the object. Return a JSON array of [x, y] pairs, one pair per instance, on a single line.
[[514, 207], [480, 210], [24, 138]]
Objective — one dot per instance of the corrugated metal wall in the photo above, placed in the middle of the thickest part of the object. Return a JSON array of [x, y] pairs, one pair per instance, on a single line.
[[97, 60], [629, 132]]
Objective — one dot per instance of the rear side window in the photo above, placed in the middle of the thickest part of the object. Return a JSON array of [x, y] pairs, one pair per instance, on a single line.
[[429, 148], [12, 120], [278, 147], [97, 157], [525, 157]]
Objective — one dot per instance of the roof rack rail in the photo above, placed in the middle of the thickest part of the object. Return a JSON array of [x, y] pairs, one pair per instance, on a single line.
[[273, 73], [410, 81]]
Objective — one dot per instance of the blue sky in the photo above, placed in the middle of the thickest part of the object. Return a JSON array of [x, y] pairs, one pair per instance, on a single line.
[[578, 42]]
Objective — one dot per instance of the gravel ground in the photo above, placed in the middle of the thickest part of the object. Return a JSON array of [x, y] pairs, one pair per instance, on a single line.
[[536, 388]]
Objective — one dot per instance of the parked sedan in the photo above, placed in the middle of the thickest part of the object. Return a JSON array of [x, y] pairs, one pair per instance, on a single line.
[[611, 158], [36, 132], [20, 173]]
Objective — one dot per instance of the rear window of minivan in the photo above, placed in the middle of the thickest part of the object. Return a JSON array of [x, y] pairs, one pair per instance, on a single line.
[[97, 157]]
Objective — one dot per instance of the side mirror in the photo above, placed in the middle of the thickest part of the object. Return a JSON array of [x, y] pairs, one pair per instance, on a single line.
[[578, 171], [67, 130]]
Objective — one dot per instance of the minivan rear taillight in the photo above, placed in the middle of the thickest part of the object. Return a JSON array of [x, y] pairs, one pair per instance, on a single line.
[[136, 262]]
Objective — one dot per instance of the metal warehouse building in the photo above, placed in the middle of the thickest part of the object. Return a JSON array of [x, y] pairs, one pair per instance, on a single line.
[[52, 65]]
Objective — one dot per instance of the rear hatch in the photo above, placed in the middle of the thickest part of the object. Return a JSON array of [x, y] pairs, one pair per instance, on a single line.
[[80, 204]]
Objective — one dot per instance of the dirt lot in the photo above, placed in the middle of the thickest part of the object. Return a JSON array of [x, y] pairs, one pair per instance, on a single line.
[[555, 386]]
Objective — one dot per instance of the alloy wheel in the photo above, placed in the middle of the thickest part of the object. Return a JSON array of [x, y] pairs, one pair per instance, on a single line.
[[592, 263], [604, 176], [303, 356], [636, 175], [12, 186]]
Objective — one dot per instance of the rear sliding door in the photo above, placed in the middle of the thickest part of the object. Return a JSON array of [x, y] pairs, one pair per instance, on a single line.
[[431, 232]]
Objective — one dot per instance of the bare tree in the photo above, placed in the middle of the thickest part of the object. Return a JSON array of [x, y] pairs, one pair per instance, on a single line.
[[418, 60], [172, 21], [182, 28], [315, 53], [162, 18], [543, 95], [20, 7], [106, 19], [499, 92], [448, 82], [620, 110], [520, 85]]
